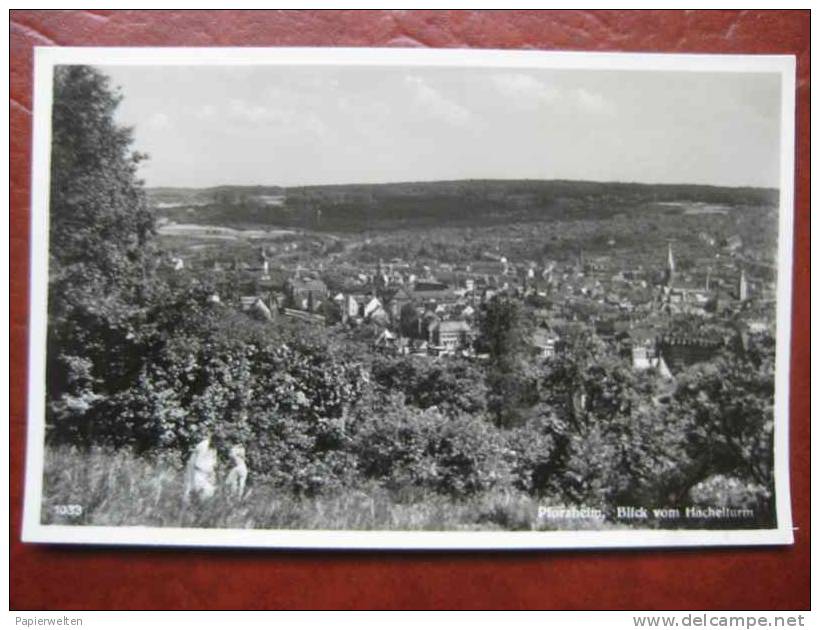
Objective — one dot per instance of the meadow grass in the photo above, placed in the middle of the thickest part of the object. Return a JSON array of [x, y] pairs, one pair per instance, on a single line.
[[118, 488]]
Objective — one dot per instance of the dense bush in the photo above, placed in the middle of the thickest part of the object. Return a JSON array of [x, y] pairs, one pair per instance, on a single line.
[[533, 455], [613, 443], [453, 386], [294, 453], [312, 421], [620, 460], [410, 448], [725, 410], [730, 492], [206, 369]]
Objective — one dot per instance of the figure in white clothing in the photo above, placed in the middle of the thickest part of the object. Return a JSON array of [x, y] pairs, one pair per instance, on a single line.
[[200, 472], [238, 474]]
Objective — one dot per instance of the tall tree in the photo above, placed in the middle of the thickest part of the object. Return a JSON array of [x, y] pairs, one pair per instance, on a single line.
[[505, 335], [726, 407], [100, 225], [99, 218], [504, 332]]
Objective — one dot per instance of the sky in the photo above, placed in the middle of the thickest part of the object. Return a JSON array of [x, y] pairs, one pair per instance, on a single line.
[[273, 125]]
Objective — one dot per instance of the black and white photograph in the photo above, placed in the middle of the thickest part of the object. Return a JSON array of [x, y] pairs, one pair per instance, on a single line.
[[455, 299]]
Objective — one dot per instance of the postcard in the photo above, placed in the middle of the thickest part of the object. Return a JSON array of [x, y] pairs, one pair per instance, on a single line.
[[409, 299]]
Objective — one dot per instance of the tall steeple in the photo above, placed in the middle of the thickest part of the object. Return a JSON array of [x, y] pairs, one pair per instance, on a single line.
[[670, 266], [265, 260], [742, 287]]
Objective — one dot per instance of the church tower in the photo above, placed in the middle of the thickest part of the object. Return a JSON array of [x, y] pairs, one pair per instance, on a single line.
[[669, 274], [742, 287]]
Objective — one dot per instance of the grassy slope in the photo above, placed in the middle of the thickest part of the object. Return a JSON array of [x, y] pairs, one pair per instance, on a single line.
[[119, 489]]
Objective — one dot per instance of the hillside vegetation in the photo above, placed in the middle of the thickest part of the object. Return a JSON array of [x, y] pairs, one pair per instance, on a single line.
[[357, 207]]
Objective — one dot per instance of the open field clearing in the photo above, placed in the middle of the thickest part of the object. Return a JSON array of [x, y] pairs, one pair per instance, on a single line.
[[193, 230]]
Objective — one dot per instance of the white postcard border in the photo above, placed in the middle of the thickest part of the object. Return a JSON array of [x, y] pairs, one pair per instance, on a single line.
[[45, 60]]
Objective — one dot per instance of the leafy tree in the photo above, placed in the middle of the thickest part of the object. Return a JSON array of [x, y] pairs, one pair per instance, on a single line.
[[455, 387], [726, 409], [409, 320], [100, 262], [504, 333], [612, 444], [99, 220], [409, 449]]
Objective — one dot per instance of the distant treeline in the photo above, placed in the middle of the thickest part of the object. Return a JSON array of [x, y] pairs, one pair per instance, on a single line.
[[357, 207]]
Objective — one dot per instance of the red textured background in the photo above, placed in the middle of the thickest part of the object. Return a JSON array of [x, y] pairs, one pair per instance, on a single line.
[[53, 577]]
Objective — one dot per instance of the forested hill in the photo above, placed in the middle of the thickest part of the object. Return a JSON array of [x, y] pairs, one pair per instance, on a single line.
[[464, 202]]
